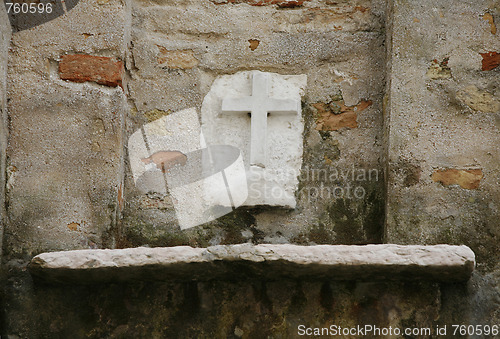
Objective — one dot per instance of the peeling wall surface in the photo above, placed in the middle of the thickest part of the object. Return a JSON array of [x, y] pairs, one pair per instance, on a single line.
[[401, 116]]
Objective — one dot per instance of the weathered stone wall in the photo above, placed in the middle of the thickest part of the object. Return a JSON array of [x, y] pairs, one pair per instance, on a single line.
[[443, 139], [179, 47], [65, 154], [65, 151], [250, 309], [79, 85]]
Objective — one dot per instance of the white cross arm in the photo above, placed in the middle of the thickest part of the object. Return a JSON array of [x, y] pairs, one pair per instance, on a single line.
[[271, 105], [237, 105], [283, 106]]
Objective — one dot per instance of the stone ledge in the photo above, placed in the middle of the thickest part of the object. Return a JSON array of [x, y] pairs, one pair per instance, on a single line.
[[443, 263]]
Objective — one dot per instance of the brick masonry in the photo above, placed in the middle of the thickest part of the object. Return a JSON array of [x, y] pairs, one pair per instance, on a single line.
[[335, 115], [102, 70], [491, 60]]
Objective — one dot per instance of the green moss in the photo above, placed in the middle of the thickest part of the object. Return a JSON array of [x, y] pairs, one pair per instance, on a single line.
[[357, 221], [344, 220], [321, 235], [232, 225], [141, 228]]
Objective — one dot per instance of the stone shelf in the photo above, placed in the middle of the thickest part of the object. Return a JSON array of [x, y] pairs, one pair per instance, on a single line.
[[442, 263]]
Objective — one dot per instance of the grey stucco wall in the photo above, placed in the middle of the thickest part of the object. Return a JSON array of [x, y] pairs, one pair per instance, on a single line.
[[69, 185], [65, 153], [443, 122]]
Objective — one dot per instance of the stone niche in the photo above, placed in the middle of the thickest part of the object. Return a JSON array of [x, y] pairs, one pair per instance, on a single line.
[[247, 151], [260, 114]]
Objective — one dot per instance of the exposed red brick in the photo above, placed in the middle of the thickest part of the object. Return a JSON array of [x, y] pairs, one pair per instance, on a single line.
[[491, 60], [336, 115], [279, 3], [82, 68], [468, 179]]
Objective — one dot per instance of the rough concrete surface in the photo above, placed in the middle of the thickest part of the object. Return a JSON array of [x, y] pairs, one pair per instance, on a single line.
[[65, 152]]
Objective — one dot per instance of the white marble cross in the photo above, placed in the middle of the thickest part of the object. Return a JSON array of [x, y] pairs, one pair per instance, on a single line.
[[259, 104]]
